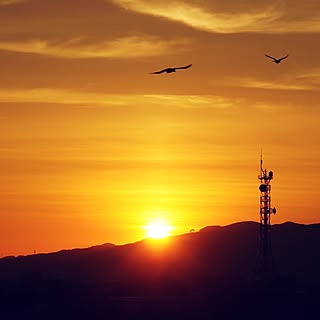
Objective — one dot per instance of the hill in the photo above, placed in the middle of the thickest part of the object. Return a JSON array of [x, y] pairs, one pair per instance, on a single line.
[[216, 264]]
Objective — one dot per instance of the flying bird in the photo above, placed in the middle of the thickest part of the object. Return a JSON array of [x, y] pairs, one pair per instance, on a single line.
[[277, 60], [170, 70]]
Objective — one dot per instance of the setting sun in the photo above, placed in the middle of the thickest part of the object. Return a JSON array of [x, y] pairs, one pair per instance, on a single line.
[[158, 229]]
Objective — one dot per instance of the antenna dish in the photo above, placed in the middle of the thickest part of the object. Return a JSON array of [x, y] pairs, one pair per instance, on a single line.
[[263, 188]]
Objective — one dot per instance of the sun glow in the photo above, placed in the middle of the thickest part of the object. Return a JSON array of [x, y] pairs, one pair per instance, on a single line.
[[158, 229]]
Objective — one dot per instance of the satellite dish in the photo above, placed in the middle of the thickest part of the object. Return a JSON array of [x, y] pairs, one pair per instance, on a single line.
[[263, 188]]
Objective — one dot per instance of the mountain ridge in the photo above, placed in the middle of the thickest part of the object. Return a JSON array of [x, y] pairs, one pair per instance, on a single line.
[[230, 249], [209, 274]]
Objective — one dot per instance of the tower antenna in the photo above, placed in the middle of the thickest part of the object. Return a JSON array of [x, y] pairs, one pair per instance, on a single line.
[[265, 259]]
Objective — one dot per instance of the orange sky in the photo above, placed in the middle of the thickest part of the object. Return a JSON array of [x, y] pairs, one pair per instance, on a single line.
[[92, 147]]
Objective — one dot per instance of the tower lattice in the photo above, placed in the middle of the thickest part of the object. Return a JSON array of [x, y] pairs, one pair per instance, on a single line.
[[265, 258]]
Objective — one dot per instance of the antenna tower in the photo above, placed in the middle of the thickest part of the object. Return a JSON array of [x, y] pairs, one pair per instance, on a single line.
[[265, 259]]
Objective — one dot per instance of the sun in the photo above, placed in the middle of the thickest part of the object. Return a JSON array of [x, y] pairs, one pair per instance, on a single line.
[[158, 229]]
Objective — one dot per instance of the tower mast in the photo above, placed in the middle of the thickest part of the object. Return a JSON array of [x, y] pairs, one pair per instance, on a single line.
[[265, 260]]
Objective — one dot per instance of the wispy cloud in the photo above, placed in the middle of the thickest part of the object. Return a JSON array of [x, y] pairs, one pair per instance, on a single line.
[[72, 97], [9, 2], [279, 85], [311, 78], [192, 100], [122, 48], [199, 17], [308, 80], [272, 18]]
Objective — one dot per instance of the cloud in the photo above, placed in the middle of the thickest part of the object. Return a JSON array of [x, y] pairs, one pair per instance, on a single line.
[[273, 18], [307, 80], [122, 48], [9, 2], [279, 85], [72, 97], [192, 100], [310, 78]]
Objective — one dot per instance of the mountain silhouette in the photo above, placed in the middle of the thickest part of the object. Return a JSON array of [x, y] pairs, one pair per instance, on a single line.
[[205, 274]]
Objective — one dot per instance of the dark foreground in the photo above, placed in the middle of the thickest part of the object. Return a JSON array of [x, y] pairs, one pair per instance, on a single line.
[[282, 299]]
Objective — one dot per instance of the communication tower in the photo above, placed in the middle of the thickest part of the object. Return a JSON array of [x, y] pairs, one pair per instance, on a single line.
[[265, 259]]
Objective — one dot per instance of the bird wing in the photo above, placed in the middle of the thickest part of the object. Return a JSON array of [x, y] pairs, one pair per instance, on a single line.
[[270, 57], [158, 72], [284, 57], [185, 67]]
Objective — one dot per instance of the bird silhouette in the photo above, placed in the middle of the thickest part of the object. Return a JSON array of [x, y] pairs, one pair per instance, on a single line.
[[277, 60], [170, 70]]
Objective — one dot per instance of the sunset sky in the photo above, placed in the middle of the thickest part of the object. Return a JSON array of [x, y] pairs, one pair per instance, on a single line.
[[93, 147]]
